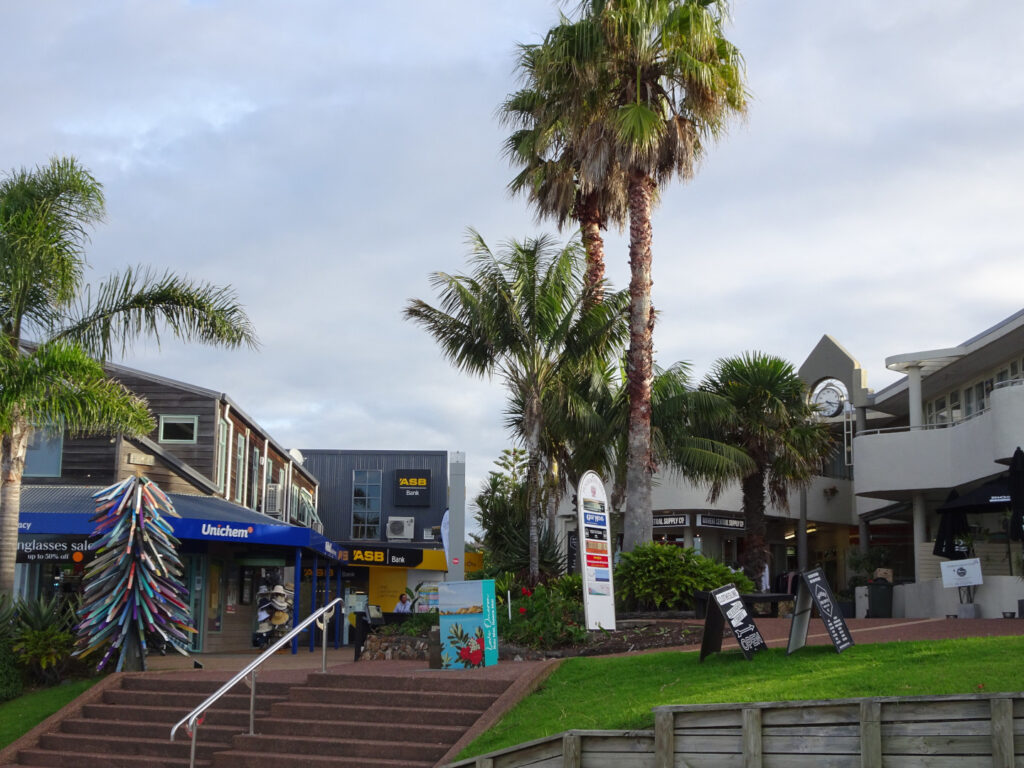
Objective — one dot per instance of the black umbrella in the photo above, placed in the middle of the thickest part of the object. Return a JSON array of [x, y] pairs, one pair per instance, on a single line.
[[951, 539], [1016, 483]]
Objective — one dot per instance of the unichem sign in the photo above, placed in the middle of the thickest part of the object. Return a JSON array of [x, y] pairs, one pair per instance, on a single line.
[[226, 531]]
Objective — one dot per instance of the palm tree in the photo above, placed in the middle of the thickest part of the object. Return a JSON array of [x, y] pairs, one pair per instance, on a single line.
[[774, 422], [599, 435], [668, 82], [46, 214], [564, 147], [525, 315]]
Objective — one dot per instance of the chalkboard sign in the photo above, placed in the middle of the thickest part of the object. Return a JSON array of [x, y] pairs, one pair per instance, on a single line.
[[732, 611], [813, 589]]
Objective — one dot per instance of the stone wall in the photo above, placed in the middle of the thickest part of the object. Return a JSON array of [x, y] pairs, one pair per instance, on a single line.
[[386, 647]]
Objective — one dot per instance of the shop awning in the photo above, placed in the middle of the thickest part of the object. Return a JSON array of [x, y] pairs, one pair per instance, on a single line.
[[67, 509]]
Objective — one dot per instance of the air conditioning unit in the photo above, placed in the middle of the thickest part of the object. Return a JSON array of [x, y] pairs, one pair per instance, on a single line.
[[401, 528], [274, 505]]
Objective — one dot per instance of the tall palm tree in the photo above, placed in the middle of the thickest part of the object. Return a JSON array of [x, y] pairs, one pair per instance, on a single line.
[[563, 144], [46, 214], [774, 422], [523, 314], [669, 83]]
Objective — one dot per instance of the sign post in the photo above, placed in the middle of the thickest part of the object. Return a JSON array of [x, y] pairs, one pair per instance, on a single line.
[[596, 553], [813, 589], [730, 608]]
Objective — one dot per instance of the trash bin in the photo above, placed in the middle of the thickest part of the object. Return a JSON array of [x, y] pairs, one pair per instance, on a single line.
[[361, 630], [879, 599]]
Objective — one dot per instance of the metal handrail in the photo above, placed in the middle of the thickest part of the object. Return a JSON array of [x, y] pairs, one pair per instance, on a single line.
[[192, 720]]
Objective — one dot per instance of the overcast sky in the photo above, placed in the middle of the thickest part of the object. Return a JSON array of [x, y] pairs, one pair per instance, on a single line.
[[324, 157]]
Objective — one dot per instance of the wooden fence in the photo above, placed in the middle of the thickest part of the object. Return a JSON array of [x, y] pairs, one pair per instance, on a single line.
[[966, 731]]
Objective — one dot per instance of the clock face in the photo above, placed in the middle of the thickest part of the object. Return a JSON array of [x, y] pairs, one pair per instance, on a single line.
[[829, 398]]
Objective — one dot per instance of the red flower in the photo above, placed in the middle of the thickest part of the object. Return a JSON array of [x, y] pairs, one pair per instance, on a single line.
[[522, 610], [527, 593]]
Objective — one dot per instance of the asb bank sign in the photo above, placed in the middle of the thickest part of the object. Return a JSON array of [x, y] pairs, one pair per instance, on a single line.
[[412, 487]]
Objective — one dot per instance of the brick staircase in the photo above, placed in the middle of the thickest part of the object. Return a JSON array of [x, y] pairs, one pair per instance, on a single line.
[[335, 720]]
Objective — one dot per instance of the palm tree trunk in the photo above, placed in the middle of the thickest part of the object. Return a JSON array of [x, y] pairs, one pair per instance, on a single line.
[[588, 214], [534, 478], [12, 465], [640, 463], [755, 555]]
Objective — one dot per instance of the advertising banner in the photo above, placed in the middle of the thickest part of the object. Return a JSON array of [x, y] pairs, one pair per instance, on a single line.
[[469, 624], [731, 611], [595, 552], [813, 589]]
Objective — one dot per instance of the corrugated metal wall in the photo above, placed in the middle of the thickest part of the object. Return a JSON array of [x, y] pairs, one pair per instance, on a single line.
[[334, 471]]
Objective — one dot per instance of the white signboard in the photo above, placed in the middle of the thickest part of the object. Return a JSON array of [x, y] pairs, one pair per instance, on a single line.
[[595, 553], [961, 573]]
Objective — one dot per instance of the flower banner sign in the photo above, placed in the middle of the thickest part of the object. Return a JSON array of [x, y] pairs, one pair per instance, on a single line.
[[469, 624]]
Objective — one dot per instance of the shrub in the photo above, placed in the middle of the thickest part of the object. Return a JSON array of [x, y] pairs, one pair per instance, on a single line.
[[44, 638], [544, 617], [656, 576], [10, 675]]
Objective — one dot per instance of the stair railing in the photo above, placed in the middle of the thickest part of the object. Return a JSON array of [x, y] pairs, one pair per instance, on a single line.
[[194, 719]]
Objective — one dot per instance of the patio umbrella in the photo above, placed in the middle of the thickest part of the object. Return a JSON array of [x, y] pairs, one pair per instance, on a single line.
[[950, 541], [1016, 483]]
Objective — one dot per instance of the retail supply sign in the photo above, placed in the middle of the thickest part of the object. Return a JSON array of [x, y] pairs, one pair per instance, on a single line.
[[595, 553], [469, 624]]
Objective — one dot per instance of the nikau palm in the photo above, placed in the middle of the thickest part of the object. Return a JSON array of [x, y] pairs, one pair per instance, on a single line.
[[524, 314], [773, 421], [45, 217]]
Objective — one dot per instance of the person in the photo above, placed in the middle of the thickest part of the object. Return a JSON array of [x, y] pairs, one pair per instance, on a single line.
[[403, 605]]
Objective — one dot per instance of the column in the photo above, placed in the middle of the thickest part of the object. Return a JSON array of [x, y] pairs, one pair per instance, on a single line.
[[920, 531]]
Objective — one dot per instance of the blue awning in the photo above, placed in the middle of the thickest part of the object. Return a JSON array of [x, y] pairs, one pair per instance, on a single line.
[[67, 509]]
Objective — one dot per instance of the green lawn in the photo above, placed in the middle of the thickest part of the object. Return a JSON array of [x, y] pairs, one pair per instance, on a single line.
[[618, 693], [19, 716]]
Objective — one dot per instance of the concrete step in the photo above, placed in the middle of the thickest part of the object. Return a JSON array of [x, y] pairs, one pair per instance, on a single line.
[[171, 684], [243, 759], [398, 749], [393, 698], [166, 716], [455, 682], [73, 744], [186, 701], [56, 759], [382, 730], [208, 732], [359, 713]]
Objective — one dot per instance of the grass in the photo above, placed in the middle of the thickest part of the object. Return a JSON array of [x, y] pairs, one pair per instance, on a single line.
[[616, 693], [19, 716]]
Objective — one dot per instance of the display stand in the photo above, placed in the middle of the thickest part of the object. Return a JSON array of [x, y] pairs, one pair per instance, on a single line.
[[813, 591], [741, 622]]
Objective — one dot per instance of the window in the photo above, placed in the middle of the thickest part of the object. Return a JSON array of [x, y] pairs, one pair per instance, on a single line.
[[178, 429], [254, 484], [968, 402], [240, 469], [222, 452], [955, 414], [45, 447], [366, 503], [979, 396]]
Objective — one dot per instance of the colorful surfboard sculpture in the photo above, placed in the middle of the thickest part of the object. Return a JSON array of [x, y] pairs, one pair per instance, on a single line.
[[133, 590]]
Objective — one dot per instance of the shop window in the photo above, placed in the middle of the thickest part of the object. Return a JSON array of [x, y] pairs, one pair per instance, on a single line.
[[366, 484], [178, 429], [45, 446]]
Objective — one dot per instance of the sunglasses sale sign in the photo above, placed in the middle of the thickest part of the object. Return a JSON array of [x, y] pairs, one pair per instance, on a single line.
[[596, 553]]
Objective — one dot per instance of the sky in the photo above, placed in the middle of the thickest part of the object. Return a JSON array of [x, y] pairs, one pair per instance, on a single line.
[[324, 157]]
